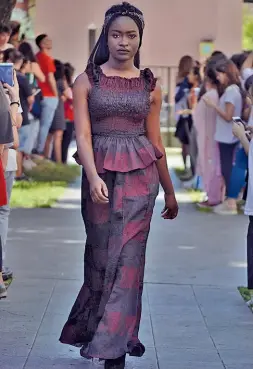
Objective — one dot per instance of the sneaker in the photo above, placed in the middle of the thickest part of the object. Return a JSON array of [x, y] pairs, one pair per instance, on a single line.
[[23, 178], [28, 164], [3, 291], [7, 274], [224, 209]]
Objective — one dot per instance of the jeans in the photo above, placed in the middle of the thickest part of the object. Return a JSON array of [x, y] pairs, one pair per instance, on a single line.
[[48, 108], [237, 179], [33, 136], [5, 211], [227, 152]]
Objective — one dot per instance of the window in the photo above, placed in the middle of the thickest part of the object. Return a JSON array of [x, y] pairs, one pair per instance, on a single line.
[[92, 39]]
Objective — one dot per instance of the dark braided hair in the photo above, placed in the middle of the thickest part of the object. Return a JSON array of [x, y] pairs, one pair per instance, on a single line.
[[100, 54]]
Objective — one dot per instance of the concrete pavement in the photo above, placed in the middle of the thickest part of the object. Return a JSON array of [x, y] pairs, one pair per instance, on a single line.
[[193, 316]]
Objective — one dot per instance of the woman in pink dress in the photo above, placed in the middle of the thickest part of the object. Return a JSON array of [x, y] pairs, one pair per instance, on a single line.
[[208, 158]]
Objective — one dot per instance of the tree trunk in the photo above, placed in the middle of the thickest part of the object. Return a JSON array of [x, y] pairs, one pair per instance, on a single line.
[[6, 7]]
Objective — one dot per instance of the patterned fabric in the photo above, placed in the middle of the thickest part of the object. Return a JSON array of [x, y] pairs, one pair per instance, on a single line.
[[105, 318]]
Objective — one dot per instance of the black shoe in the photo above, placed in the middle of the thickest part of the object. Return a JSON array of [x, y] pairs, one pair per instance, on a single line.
[[7, 274], [138, 350], [118, 363]]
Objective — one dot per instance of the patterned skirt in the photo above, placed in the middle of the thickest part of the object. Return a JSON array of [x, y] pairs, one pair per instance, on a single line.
[[105, 318]]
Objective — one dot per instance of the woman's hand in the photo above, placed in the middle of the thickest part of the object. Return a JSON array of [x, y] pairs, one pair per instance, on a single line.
[[238, 130], [170, 210], [98, 191], [208, 102], [13, 91]]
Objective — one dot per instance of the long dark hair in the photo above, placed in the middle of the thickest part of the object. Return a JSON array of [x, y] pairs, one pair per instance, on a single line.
[[100, 54], [185, 65], [230, 69], [26, 49], [69, 71]]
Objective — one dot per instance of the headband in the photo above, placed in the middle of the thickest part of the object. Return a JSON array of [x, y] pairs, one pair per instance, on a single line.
[[127, 14]]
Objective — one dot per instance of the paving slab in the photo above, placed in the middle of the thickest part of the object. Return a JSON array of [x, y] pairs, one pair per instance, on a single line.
[[193, 315]]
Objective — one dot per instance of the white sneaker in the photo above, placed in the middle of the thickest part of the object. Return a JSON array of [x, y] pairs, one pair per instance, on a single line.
[[224, 209], [28, 164]]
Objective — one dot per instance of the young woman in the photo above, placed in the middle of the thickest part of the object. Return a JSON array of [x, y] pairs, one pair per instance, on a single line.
[[204, 118], [230, 104], [117, 109], [184, 121], [59, 124], [10, 119]]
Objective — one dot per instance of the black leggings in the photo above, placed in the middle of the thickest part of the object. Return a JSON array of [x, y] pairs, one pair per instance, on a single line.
[[227, 152], [66, 140], [250, 253]]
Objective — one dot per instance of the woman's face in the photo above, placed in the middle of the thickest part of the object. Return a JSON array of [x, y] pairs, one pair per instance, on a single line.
[[123, 39], [222, 78]]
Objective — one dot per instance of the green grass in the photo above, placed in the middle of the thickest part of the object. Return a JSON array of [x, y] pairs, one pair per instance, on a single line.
[[36, 194], [247, 295], [49, 181]]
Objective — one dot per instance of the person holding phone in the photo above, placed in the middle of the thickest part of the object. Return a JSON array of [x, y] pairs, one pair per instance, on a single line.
[[11, 98], [245, 138]]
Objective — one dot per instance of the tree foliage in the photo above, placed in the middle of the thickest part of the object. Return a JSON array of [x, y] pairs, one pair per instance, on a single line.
[[6, 7], [247, 28]]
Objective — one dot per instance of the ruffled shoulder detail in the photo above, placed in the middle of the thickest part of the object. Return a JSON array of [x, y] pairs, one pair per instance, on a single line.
[[149, 79], [93, 72]]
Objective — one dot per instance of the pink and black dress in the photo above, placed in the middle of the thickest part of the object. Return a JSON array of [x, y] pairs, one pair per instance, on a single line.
[[105, 318]]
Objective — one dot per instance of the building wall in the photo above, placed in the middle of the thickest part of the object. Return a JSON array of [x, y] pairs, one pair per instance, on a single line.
[[173, 28]]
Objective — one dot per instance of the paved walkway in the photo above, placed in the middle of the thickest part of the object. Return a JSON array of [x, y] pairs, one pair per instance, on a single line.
[[193, 316]]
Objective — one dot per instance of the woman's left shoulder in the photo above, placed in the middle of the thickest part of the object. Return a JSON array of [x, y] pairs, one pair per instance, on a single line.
[[151, 80]]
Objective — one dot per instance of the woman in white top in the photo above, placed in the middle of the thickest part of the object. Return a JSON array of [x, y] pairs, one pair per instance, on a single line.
[[230, 104]]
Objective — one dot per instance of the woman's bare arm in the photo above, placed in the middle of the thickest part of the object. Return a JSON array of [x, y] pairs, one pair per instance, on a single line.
[[154, 135], [98, 189], [83, 126], [36, 70]]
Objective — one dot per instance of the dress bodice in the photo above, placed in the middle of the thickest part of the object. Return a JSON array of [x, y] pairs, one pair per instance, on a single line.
[[118, 110]]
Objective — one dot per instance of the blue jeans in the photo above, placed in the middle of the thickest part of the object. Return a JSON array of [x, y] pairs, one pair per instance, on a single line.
[[5, 212], [48, 108], [237, 179]]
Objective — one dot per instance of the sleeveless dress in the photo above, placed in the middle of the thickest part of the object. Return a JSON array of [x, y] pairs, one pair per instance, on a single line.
[[105, 318]]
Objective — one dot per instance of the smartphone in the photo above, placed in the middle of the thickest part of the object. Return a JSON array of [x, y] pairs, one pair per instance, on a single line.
[[239, 120], [36, 92], [7, 73]]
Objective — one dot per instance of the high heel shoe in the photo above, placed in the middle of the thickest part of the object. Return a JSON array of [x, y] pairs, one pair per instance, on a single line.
[[118, 363]]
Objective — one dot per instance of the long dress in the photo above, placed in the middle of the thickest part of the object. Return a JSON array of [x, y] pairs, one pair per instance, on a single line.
[[208, 162], [106, 316]]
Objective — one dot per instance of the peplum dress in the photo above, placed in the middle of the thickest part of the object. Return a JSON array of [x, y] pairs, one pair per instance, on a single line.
[[105, 318]]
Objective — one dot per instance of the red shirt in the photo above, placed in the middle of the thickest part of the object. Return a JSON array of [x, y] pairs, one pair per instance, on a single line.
[[46, 64]]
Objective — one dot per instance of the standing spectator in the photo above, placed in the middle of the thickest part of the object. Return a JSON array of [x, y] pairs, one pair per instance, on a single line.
[[184, 121], [15, 113], [5, 33], [6, 137], [230, 104], [58, 125], [48, 88], [69, 113], [209, 158]]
